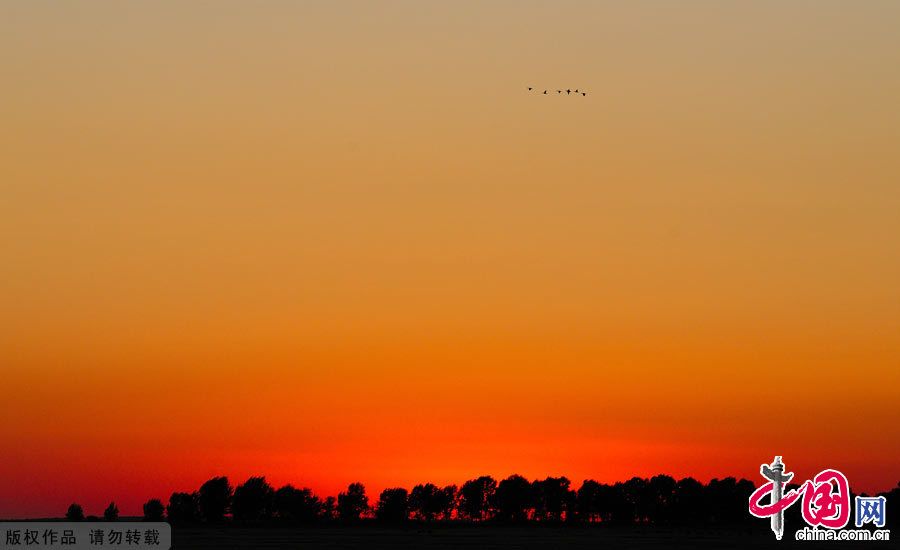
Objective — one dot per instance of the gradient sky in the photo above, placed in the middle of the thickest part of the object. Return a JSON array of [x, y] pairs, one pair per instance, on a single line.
[[339, 241]]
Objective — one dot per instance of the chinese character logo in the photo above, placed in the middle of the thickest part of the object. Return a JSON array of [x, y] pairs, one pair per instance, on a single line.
[[778, 501], [870, 510], [826, 498]]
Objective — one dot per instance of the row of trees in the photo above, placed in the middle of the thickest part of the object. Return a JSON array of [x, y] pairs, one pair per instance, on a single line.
[[76, 513], [660, 500]]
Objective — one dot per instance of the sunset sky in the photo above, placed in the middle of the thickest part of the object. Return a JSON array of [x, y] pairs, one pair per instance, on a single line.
[[337, 241]]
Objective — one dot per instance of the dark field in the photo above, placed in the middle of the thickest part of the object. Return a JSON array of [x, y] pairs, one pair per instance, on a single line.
[[485, 537]]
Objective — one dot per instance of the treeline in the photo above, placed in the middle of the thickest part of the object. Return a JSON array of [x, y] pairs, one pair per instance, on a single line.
[[661, 500]]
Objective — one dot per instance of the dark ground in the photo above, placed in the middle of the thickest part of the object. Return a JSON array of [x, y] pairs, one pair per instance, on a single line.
[[485, 537]]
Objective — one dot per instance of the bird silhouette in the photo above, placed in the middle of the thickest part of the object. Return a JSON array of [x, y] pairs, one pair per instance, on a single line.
[[568, 91]]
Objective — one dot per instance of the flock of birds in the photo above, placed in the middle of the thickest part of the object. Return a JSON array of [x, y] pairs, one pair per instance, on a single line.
[[568, 92]]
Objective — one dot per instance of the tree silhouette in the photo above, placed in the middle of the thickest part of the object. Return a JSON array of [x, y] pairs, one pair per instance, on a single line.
[[329, 509], [75, 512], [426, 501], [215, 499], [475, 498], [552, 498], [182, 508], [393, 505], [153, 510], [729, 498], [296, 505], [447, 501], [659, 496], [353, 503], [634, 493], [688, 506], [621, 509], [892, 502], [513, 499], [111, 513], [588, 501], [252, 501]]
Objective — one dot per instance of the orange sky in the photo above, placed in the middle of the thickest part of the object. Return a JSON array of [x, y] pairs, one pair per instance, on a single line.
[[326, 244]]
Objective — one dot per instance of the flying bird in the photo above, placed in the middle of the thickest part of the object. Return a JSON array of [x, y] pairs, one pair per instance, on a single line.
[[568, 91]]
